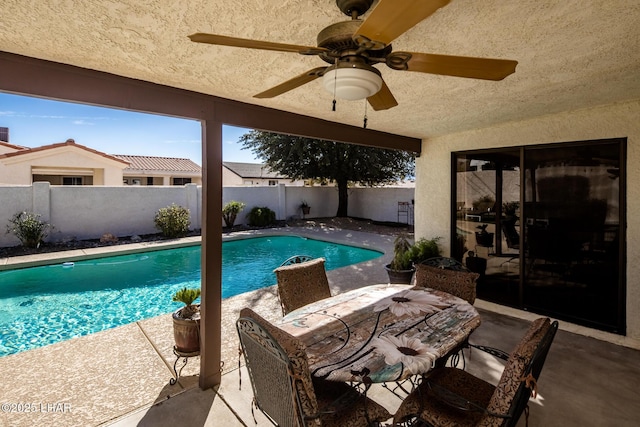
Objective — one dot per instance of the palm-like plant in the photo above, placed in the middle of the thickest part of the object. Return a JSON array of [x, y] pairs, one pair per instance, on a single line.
[[187, 296]]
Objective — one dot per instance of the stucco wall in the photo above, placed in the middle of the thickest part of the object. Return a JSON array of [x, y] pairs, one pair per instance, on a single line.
[[87, 212], [433, 176]]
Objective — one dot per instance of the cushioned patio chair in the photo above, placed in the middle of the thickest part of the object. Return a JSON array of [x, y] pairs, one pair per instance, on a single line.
[[453, 397], [302, 283], [282, 385], [448, 275]]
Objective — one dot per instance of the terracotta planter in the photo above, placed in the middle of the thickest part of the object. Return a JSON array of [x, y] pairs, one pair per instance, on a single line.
[[186, 333], [399, 276]]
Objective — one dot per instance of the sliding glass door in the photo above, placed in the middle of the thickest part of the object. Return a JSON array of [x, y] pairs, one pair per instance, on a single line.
[[543, 227]]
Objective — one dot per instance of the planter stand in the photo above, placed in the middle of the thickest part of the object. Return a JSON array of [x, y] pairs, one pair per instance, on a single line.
[[185, 358]]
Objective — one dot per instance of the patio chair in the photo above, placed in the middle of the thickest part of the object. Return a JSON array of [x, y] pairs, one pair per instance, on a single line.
[[296, 259], [447, 275], [511, 236], [453, 397], [451, 276], [302, 283], [282, 385]]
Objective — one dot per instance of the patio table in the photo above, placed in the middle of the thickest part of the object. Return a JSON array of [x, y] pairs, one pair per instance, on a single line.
[[380, 333]]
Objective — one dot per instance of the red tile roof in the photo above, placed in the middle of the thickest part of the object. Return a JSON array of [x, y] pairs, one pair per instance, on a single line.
[[173, 164], [15, 147]]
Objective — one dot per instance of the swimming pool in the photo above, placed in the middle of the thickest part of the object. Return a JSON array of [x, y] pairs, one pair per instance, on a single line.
[[48, 304]]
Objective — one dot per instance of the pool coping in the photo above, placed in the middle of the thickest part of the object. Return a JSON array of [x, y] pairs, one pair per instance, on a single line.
[[48, 258]]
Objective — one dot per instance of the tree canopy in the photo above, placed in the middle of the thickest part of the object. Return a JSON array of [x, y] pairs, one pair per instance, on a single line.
[[345, 164]]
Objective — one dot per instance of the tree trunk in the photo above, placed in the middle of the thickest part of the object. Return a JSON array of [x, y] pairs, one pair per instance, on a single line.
[[343, 198]]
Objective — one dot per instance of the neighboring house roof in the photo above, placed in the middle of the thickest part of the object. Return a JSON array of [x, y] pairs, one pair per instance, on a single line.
[[149, 163], [67, 143], [252, 170], [12, 146]]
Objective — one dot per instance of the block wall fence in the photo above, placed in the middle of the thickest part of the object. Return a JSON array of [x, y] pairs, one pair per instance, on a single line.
[[88, 212]]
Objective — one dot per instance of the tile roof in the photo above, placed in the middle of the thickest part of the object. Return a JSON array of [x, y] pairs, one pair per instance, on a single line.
[[251, 170], [15, 147], [151, 163]]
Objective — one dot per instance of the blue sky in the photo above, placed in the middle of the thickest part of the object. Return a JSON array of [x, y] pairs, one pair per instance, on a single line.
[[33, 122]]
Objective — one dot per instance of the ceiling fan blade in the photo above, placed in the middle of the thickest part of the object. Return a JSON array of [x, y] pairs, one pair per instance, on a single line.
[[292, 83], [391, 18], [460, 66], [383, 100], [254, 44]]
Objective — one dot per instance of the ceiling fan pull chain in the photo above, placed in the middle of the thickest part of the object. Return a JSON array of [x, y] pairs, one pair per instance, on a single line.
[[365, 114], [335, 78]]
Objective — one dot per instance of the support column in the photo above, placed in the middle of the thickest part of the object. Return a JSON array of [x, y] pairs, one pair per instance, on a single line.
[[211, 297]]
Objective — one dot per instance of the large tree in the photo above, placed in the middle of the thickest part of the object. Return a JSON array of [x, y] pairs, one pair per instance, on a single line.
[[307, 158]]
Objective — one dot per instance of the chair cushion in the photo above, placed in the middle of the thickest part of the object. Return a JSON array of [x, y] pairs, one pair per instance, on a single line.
[[423, 403], [302, 283], [459, 283]]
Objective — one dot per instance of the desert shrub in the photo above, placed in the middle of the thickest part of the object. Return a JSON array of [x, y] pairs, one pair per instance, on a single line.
[[173, 221], [406, 254], [261, 217], [424, 249], [230, 211], [29, 228]]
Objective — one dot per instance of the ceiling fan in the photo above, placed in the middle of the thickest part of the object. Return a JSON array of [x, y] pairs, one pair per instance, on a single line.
[[353, 47]]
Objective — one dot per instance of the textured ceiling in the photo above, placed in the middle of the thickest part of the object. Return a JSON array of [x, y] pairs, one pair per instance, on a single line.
[[572, 54]]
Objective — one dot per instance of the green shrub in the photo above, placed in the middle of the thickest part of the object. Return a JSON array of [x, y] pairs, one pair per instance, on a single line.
[[173, 221], [230, 211], [28, 227], [261, 217], [406, 254], [423, 249]]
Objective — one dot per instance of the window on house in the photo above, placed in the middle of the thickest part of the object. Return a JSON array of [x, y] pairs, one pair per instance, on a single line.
[[72, 180], [149, 180], [273, 182], [181, 181]]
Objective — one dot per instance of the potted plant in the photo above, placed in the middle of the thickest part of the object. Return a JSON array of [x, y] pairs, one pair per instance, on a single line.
[[186, 321], [405, 255], [400, 269], [483, 237], [305, 208]]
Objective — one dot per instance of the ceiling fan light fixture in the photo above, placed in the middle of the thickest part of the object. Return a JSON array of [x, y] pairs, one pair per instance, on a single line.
[[352, 83]]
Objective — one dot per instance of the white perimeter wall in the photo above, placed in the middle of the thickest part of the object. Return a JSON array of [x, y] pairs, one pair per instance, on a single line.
[[88, 212]]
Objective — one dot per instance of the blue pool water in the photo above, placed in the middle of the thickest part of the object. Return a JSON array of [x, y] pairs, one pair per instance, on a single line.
[[48, 304]]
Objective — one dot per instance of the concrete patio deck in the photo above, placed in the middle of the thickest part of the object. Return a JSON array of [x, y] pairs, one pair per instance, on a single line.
[[120, 377]]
